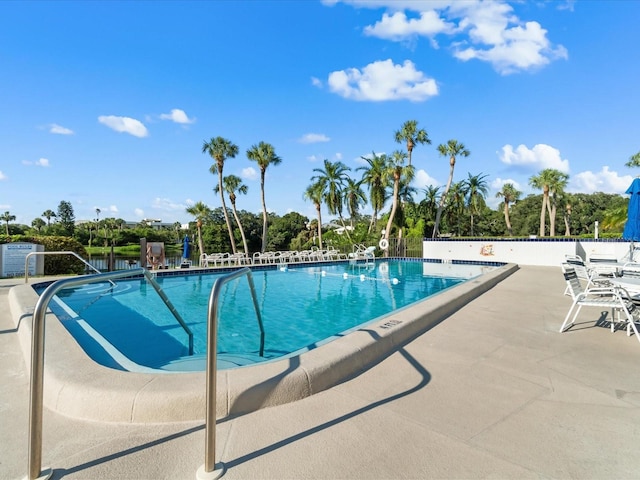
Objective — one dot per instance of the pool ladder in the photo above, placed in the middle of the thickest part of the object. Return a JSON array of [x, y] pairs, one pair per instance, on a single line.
[[37, 354], [208, 470]]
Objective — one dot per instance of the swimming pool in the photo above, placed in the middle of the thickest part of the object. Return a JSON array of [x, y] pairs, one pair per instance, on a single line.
[[128, 327]]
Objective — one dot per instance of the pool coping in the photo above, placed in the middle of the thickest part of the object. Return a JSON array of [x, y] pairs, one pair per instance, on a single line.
[[76, 386]]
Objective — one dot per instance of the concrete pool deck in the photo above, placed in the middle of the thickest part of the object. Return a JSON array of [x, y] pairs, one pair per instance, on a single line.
[[492, 391]]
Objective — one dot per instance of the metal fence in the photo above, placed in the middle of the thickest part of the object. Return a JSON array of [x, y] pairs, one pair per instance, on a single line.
[[405, 247]]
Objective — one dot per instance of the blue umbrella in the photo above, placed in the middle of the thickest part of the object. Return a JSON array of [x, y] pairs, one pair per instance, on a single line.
[[186, 248], [632, 227]]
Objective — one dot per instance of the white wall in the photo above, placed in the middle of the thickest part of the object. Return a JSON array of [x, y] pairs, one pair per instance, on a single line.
[[526, 252]]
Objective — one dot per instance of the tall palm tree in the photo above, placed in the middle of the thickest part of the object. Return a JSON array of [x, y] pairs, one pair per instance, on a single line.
[[429, 204], [411, 135], [477, 189], [396, 170], [456, 206], [7, 217], [556, 189], [333, 179], [373, 177], [548, 180], [233, 184], [354, 198], [98, 214], [315, 193], [264, 154], [509, 194], [451, 149], [201, 212], [48, 214], [220, 149]]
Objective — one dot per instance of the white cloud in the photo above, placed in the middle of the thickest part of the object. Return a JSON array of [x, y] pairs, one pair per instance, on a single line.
[[422, 180], [3, 176], [338, 156], [313, 138], [177, 116], [249, 173], [41, 162], [604, 181], [316, 82], [55, 128], [398, 27], [488, 31], [138, 212], [189, 202], [498, 183], [539, 157], [518, 48], [383, 80], [104, 211], [312, 158], [124, 125], [167, 205]]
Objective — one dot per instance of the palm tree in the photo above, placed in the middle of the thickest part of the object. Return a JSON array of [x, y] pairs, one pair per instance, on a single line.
[[455, 206], [7, 217], [477, 188], [429, 204], [548, 180], [201, 212], [373, 177], [556, 189], [220, 149], [264, 154], [48, 214], [452, 149], [98, 214], [396, 170], [509, 195], [410, 134], [315, 193], [332, 180], [354, 198], [38, 223], [233, 184], [634, 160]]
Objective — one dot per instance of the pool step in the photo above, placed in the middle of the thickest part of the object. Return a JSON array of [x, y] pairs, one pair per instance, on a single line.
[[195, 363]]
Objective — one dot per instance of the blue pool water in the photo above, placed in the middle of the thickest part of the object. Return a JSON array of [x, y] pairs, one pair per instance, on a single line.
[[129, 327]]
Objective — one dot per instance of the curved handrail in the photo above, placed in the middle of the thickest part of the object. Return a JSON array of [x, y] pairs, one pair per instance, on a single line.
[[37, 362], [209, 470], [150, 278], [26, 262]]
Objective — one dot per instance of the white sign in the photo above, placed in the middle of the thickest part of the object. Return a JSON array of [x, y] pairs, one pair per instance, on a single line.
[[13, 257]]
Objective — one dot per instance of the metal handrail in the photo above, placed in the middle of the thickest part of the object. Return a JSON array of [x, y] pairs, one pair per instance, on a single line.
[[37, 363], [209, 470], [26, 262], [37, 355], [150, 278]]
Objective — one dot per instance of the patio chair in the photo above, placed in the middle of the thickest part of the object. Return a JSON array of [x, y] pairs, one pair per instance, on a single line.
[[608, 296], [586, 276]]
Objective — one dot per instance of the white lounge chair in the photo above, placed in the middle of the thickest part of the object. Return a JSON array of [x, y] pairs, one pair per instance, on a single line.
[[611, 296]]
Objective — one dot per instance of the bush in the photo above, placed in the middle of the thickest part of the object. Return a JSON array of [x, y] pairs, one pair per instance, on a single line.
[[55, 264]]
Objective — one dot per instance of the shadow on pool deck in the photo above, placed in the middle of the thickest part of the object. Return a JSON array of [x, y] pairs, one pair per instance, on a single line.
[[493, 391]]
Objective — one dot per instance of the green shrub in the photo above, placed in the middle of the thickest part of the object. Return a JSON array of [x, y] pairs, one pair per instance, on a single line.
[[55, 264]]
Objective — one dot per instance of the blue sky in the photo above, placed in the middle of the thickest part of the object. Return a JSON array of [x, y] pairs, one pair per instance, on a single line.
[[107, 104]]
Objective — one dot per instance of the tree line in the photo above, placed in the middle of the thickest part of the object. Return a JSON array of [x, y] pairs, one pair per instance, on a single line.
[[457, 209]]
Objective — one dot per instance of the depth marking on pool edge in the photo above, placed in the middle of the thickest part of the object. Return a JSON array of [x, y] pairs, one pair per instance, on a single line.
[[390, 323]]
